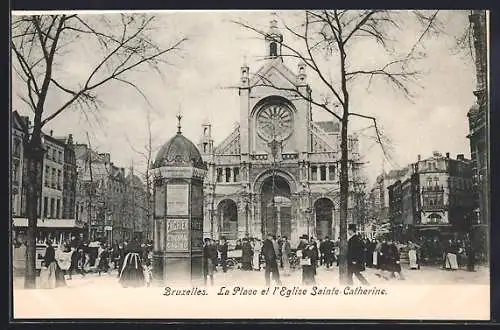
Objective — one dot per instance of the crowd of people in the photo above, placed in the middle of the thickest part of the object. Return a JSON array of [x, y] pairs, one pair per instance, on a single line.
[[133, 260]]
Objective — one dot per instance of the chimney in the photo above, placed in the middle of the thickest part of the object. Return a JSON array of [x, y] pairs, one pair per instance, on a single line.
[[447, 155], [460, 157]]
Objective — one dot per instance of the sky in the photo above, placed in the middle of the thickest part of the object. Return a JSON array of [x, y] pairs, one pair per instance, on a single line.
[[200, 79]]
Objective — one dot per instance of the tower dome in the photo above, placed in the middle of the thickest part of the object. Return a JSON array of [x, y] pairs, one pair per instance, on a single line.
[[179, 151]]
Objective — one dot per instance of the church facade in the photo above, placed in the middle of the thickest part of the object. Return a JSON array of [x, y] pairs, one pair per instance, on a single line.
[[278, 170]]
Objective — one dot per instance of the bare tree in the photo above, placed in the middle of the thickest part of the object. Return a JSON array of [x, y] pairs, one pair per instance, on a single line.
[[40, 44], [147, 155], [331, 35]]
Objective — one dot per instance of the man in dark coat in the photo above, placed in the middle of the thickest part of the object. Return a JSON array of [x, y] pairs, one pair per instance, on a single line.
[[246, 255], [209, 251], [223, 254], [355, 256], [270, 258], [327, 250]]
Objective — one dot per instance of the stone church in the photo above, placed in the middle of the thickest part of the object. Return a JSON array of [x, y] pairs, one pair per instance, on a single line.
[[278, 170]]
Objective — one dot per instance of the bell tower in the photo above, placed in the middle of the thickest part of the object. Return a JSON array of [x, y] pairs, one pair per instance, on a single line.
[[206, 142], [273, 40]]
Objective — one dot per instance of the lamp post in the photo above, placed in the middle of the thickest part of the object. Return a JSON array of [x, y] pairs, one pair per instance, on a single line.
[[275, 148]]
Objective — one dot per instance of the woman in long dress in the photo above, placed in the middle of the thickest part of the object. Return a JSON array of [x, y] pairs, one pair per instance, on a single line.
[[131, 273], [451, 256], [285, 253], [51, 275], [413, 255]]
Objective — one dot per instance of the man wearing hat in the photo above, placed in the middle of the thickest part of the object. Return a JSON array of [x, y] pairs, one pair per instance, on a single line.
[[355, 256], [270, 258]]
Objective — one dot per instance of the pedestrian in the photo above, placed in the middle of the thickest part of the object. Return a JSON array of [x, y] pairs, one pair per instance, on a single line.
[[276, 249], [257, 248], [393, 261], [269, 253], [223, 248], [355, 256], [215, 253], [450, 258], [285, 254], [132, 273], [413, 255], [309, 255], [246, 255], [208, 261], [328, 252], [279, 240], [74, 266], [103, 265], [148, 271], [51, 275]]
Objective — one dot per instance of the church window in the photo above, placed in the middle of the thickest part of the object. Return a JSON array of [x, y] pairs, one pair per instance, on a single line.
[[205, 147], [273, 49], [228, 174], [322, 172], [331, 172], [219, 175], [314, 173], [236, 172]]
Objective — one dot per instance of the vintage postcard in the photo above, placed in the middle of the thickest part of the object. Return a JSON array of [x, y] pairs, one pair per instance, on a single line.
[[323, 164]]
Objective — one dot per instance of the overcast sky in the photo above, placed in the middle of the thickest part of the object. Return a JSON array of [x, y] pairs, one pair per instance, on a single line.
[[199, 81]]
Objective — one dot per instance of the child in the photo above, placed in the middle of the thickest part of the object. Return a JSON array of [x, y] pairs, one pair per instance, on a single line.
[[148, 272]]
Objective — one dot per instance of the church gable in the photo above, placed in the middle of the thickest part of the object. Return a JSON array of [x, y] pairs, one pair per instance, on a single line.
[[230, 145], [275, 74]]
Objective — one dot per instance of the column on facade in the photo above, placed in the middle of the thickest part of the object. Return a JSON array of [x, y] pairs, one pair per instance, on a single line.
[[327, 171], [256, 216], [278, 220], [296, 219], [242, 221]]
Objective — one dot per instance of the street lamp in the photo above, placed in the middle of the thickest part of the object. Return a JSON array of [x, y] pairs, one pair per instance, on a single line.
[[276, 147]]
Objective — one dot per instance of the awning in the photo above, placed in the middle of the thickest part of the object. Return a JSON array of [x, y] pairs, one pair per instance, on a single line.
[[48, 223]]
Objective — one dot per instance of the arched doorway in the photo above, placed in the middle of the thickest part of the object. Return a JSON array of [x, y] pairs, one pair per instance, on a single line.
[[276, 207], [323, 209], [227, 212]]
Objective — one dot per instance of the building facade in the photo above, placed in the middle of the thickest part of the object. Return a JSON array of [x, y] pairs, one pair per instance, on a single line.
[[69, 178], [57, 200], [112, 205], [378, 197], [278, 171], [436, 194], [478, 117], [18, 168], [137, 209]]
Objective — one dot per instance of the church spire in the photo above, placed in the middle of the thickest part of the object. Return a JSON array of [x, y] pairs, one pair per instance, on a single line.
[[179, 117], [274, 39]]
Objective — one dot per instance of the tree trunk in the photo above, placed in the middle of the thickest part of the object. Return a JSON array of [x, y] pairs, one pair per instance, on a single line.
[[344, 198], [34, 153]]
